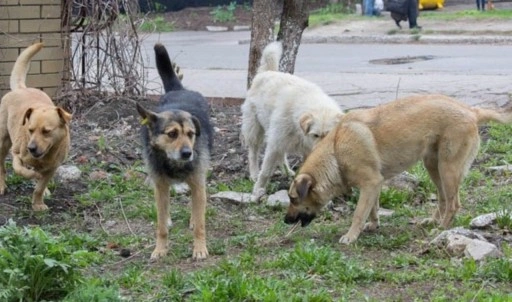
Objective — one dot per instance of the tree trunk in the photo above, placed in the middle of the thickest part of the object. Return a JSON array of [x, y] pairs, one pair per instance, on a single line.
[[294, 19], [262, 33]]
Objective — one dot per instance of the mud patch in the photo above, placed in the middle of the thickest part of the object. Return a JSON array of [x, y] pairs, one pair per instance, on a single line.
[[401, 60]]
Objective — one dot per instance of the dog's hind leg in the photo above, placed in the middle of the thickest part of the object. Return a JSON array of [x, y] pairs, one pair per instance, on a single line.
[[454, 163], [252, 135], [374, 223], [431, 163], [161, 191], [197, 183]]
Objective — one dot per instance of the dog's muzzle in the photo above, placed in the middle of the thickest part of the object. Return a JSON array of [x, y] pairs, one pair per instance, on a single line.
[[304, 218], [34, 151], [186, 153]]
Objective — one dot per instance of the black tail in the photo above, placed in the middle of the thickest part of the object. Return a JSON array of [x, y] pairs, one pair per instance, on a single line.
[[165, 70]]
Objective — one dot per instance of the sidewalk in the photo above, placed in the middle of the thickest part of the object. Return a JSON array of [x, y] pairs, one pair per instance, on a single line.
[[383, 30]]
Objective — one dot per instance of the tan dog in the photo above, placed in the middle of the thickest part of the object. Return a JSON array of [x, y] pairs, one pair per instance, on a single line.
[[370, 146], [37, 130]]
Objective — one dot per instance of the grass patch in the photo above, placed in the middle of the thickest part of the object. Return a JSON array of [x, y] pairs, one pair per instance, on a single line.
[[156, 24], [472, 14]]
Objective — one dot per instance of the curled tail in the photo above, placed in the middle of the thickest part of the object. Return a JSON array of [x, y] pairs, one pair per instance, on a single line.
[[21, 67], [503, 116], [270, 57], [166, 70]]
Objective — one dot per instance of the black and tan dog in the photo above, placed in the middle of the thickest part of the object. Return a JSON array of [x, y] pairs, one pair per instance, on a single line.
[[37, 130], [370, 146], [177, 141]]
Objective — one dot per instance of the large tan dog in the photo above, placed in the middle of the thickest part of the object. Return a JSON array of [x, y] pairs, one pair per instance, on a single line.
[[370, 146], [287, 113], [37, 130]]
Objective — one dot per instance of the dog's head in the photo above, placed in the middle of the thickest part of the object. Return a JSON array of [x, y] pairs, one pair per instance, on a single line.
[[173, 132], [305, 202], [46, 127], [316, 125]]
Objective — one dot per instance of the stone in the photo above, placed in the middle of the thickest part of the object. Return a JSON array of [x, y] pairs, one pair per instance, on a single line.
[[441, 239], [479, 250], [216, 28], [241, 27], [67, 173], [456, 244], [236, 197], [180, 188], [403, 181], [385, 212], [279, 198], [483, 221]]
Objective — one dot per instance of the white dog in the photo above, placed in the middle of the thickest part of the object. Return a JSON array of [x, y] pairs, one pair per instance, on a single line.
[[286, 112]]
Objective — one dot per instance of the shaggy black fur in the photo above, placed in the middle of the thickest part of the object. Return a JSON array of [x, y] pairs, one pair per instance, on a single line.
[[177, 100]]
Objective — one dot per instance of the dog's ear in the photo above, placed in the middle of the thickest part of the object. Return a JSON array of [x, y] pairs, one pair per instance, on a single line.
[[197, 125], [64, 115], [27, 115], [148, 117], [306, 121], [300, 187]]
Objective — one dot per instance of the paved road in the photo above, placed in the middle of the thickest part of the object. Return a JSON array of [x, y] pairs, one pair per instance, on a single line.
[[216, 65]]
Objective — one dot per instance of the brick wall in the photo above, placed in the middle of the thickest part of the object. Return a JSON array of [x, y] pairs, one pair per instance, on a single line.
[[22, 23]]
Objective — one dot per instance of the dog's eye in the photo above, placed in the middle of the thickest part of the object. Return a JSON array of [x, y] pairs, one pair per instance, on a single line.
[[30, 131], [190, 134], [45, 131], [173, 134], [316, 136]]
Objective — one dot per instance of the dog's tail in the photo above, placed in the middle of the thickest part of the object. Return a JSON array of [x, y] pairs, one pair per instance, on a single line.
[[22, 65], [503, 116], [271, 56], [165, 69]]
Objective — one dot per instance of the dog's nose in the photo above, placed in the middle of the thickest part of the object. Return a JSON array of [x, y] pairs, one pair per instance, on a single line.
[[32, 148], [186, 153], [290, 219]]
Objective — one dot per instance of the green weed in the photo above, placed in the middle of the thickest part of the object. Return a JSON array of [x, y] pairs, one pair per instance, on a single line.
[[223, 13], [157, 24]]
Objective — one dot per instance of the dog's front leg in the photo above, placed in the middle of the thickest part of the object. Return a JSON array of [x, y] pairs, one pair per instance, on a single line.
[[20, 169], [40, 191], [270, 161], [366, 203], [161, 189], [198, 188]]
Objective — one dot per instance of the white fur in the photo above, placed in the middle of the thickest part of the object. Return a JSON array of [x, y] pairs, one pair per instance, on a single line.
[[272, 113]]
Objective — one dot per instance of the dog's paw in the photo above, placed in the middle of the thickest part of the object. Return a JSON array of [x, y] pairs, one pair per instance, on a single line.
[[345, 239], [39, 207], [257, 194], [47, 193], [200, 253], [158, 253]]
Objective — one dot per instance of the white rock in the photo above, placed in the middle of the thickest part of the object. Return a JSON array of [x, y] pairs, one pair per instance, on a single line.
[[478, 250], [441, 239], [279, 198], [385, 212], [241, 27], [236, 197], [180, 188], [216, 28], [483, 221], [66, 173], [456, 244]]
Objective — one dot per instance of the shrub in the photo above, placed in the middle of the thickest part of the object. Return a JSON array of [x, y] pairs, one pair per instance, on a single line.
[[35, 266]]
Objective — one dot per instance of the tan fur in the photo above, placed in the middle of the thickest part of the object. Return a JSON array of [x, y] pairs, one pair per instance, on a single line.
[[37, 130], [370, 146]]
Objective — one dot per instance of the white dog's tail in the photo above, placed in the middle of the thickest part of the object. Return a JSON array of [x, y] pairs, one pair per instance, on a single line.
[[271, 56], [21, 67]]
